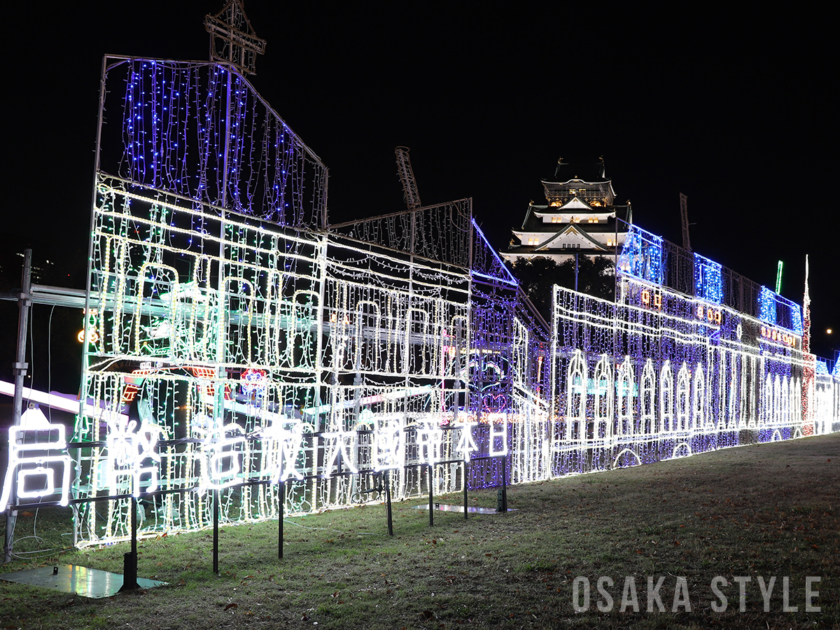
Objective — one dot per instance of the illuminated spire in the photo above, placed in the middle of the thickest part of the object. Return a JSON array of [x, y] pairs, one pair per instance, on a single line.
[[806, 308]]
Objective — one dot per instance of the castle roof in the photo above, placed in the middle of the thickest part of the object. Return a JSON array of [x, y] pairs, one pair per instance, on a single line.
[[571, 233], [534, 218]]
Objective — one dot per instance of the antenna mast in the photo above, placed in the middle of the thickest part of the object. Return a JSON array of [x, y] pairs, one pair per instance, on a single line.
[[232, 38], [406, 173], [684, 216], [779, 277]]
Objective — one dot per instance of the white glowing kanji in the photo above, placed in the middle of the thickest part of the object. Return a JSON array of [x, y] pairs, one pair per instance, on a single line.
[[25, 441], [341, 448], [221, 461], [388, 443], [282, 444], [128, 450], [429, 442], [498, 430], [466, 443]]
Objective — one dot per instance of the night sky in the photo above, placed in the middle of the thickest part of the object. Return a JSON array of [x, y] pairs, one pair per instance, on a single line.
[[736, 110]]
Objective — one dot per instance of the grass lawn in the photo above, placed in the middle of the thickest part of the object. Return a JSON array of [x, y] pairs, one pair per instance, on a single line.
[[768, 510]]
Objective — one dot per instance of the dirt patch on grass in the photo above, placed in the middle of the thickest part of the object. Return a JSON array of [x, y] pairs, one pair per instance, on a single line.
[[761, 511]]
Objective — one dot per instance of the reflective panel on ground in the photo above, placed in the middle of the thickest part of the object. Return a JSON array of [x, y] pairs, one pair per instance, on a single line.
[[460, 508], [71, 578]]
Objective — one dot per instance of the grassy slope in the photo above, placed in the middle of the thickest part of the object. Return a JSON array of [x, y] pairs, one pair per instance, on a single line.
[[762, 510]]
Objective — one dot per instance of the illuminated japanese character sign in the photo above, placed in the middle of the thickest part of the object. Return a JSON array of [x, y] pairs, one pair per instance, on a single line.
[[281, 445], [774, 334], [132, 454], [466, 444], [221, 456], [429, 441], [388, 443], [708, 313], [652, 299], [38, 473], [498, 439], [343, 444]]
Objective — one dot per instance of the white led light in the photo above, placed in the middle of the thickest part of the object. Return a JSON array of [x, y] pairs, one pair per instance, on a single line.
[[27, 444]]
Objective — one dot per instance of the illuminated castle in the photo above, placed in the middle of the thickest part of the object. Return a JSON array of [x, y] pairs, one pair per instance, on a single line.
[[578, 218]]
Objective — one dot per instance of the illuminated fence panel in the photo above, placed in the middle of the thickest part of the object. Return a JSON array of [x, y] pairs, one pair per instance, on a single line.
[[707, 279], [441, 232], [779, 311], [641, 255]]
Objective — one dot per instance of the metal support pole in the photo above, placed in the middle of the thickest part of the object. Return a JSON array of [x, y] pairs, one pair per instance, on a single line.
[[130, 559], [216, 532], [20, 366], [466, 465], [387, 482], [281, 500], [431, 495], [502, 502], [576, 271], [466, 499]]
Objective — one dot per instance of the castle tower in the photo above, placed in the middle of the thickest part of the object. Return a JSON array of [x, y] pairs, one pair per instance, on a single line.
[[579, 217]]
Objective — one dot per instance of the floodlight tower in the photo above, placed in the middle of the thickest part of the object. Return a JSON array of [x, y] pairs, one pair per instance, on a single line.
[[406, 174]]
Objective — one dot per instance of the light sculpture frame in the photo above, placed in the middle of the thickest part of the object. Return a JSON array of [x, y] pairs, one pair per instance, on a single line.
[[255, 360]]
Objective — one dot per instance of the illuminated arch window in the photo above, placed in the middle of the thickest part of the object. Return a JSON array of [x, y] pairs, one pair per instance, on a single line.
[[302, 345], [236, 343], [666, 398], [416, 329], [698, 398], [520, 351], [576, 398], [603, 398], [367, 323], [648, 399], [767, 412], [777, 400], [624, 386], [784, 401], [731, 420], [153, 331], [683, 398]]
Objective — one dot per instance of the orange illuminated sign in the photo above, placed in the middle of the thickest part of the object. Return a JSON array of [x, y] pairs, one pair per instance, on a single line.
[[709, 314], [652, 300], [774, 334]]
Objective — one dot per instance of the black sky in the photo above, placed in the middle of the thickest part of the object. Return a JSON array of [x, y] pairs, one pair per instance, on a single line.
[[737, 110]]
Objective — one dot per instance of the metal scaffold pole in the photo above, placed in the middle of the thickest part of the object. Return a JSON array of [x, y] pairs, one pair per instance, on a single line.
[[20, 367]]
